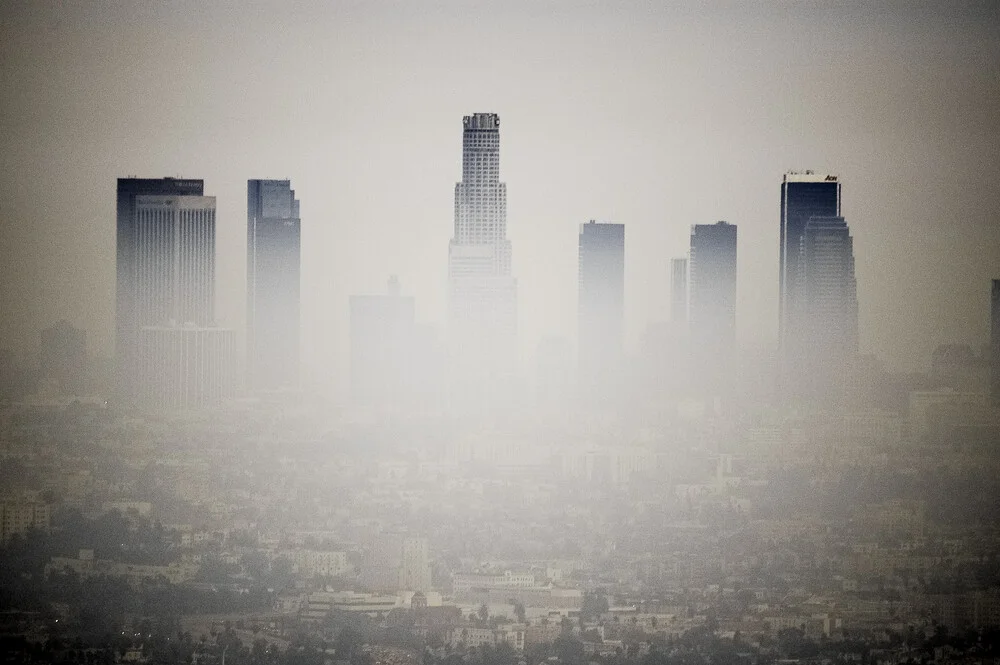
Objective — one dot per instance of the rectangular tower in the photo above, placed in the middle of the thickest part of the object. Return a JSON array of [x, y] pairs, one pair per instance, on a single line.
[[713, 285], [828, 289], [482, 293], [174, 260], [803, 195], [383, 328], [712, 308], [273, 285], [126, 314], [601, 304]]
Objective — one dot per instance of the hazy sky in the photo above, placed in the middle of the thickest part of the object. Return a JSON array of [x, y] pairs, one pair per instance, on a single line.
[[654, 115]]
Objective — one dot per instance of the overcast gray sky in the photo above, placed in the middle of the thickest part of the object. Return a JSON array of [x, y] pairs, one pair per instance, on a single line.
[[655, 115]]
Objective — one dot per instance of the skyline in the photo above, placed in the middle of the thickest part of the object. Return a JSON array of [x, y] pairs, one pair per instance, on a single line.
[[918, 188]]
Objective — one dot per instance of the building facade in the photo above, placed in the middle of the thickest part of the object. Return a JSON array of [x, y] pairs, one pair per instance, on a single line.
[[273, 285], [128, 318], [185, 366], [712, 308], [383, 330], [482, 292], [828, 287], [803, 195], [713, 285], [601, 302], [176, 357]]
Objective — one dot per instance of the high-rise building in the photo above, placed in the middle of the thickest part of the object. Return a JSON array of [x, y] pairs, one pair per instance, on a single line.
[[482, 293], [678, 292], [127, 310], [712, 308], [828, 290], [382, 346], [63, 357], [175, 356], [174, 260], [803, 195], [713, 285], [273, 285], [601, 304], [184, 366], [398, 561], [995, 343]]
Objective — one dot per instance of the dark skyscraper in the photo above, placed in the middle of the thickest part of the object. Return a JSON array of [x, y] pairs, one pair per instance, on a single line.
[[273, 284], [601, 305], [712, 307], [828, 289], [803, 195], [713, 285], [995, 343], [482, 293], [127, 310]]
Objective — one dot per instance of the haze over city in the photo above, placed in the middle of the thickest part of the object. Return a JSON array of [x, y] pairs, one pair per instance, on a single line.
[[658, 117], [543, 333]]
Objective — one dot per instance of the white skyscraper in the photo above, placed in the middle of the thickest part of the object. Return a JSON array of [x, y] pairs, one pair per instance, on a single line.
[[482, 293]]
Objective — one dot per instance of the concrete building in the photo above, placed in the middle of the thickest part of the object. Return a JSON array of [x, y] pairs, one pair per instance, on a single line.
[[383, 346], [177, 357], [186, 366], [828, 289], [601, 305], [712, 307], [398, 561], [130, 314], [482, 293], [17, 517], [273, 285], [803, 195]]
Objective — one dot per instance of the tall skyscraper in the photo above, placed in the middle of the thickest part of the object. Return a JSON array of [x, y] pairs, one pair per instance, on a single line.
[[713, 285], [273, 284], [678, 292], [803, 195], [601, 304], [828, 289], [995, 343], [712, 307], [128, 318], [183, 366], [482, 293], [383, 331], [174, 260], [173, 352]]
